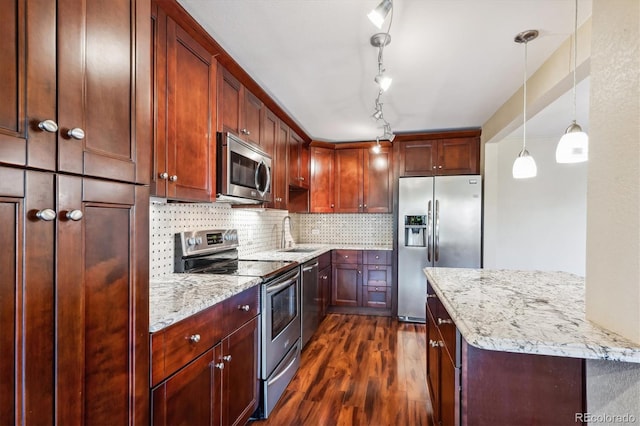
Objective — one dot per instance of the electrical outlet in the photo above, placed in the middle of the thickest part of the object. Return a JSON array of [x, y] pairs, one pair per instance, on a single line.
[[315, 232]]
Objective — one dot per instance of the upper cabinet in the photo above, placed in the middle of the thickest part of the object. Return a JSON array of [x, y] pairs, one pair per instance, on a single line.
[[239, 110], [72, 103], [274, 136], [184, 99], [298, 161], [322, 180], [438, 157]]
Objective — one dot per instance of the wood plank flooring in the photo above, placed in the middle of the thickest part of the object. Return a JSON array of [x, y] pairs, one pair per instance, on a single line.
[[358, 370]]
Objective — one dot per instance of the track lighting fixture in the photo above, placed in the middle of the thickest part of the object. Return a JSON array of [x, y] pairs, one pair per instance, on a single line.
[[525, 166], [574, 144]]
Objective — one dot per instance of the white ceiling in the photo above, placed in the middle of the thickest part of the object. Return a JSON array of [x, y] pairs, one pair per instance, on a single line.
[[454, 62]]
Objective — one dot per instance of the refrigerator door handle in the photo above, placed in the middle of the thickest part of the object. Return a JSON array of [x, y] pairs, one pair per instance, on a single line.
[[429, 227], [436, 243]]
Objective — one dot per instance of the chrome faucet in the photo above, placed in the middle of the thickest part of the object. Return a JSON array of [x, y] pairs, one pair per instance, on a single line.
[[283, 240]]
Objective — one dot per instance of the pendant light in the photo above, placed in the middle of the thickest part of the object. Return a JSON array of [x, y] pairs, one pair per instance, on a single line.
[[379, 14], [525, 166], [574, 144]]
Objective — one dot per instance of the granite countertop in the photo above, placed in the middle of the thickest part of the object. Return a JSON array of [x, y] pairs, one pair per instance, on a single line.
[[526, 311], [177, 296], [174, 297]]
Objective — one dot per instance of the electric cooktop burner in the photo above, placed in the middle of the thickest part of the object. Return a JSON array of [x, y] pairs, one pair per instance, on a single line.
[[249, 268]]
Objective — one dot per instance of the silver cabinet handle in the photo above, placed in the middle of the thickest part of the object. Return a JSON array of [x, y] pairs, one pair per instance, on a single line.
[[439, 167], [346, 257], [365, 206], [164, 175], [359, 206], [74, 215], [301, 177], [195, 338], [46, 214], [434, 167], [444, 321], [332, 206], [219, 365], [377, 257], [48, 126], [76, 133], [359, 272], [244, 308], [324, 277], [245, 132], [173, 178], [227, 358]]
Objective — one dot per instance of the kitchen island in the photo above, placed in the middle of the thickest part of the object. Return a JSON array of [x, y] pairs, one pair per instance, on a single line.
[[509, 347]]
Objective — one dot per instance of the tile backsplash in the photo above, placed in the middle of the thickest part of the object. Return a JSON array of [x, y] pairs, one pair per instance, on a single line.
[[258, 229]]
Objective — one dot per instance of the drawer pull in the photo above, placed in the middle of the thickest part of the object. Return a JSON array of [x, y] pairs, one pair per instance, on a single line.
[[377, 267], [444, 321], [431, 296], [244, 308], [377, 257], [219, 365], [195, 338], [346, 257], [227, 358]]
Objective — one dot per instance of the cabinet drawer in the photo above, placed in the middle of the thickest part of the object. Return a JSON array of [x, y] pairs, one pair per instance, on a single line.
[[324, 260], [448, 330], [377, 257], [376, 297], [183, 341], [351, 257], [241, 308], [377, 275]]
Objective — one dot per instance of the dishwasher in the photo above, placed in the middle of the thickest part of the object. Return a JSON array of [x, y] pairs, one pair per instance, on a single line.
[[310, 300]]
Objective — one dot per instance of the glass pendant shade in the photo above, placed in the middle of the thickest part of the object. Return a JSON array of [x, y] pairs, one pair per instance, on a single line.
[[525, 166], [379, 14], [573, 146]]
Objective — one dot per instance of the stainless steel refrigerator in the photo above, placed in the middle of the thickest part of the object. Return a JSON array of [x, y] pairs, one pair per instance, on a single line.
[[439, 224]]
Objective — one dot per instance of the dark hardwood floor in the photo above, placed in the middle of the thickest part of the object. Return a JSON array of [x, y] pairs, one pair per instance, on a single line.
[[358, 370]]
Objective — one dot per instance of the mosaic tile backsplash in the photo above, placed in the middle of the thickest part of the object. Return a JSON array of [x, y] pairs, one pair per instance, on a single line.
[[258, 230]]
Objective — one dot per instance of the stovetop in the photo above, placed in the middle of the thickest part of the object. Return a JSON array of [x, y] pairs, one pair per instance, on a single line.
[[266, 269]]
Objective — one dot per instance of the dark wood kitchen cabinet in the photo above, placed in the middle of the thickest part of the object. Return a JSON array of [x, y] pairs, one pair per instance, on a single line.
[[322, 180], [472, 386], [440, 157], [184, 99], [81, 284], [205, 367], [299, 155], [274, 141], [324, 281], [74, 87], [346, 285], [240, 111], [363, 181]]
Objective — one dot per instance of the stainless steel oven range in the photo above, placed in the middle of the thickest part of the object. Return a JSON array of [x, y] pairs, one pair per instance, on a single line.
[[216, 252]]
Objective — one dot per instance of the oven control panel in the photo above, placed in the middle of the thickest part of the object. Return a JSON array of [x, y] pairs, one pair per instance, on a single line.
[[203, 242]]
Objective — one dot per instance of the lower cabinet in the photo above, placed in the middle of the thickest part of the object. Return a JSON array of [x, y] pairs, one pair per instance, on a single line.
[[362, 279], [197, 382], [472, 386]]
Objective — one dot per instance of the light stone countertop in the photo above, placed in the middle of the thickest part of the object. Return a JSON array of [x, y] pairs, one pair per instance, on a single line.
[[527, 312], [177, 296], [174, 297]]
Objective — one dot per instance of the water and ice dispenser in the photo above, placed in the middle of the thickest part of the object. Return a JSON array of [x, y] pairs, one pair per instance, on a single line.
[[415, 231]]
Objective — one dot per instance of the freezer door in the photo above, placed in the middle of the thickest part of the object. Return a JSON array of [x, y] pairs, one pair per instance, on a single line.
[[457, 229], [415, 200]]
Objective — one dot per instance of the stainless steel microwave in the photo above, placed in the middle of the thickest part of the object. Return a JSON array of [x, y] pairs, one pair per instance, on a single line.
[[243, 172]]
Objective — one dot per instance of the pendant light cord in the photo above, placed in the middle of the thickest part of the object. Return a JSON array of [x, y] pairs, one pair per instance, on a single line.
[[524, 124], [575, 60]]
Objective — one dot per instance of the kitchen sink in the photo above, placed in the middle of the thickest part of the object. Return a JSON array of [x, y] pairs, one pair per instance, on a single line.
[[298, 250]]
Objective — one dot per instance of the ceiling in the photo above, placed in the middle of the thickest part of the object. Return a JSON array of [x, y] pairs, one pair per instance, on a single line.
[[453, 62]]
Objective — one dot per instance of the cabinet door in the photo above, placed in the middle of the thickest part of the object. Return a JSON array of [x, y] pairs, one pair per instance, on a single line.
[[27, 302], [298, 161], [252, 116], [305, 156], [281, 174], [28, 83], [433, 365], [346, 285], [160, 166], [448, 391], [268, 137], [103, 69], [417, 158], [377, 181], [191, 396], [191, 139], [348, 181], [240, 376], [324, 281], [102, 302], [458, 156], [322, 184], [230, 101]]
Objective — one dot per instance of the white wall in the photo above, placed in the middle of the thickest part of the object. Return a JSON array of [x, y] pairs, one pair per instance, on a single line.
[[535, 223]]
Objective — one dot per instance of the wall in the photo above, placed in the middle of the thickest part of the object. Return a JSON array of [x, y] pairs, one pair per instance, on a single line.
[[535, 223]]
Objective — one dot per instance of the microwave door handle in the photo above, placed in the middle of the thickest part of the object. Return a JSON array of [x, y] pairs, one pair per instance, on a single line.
[[266, 187]]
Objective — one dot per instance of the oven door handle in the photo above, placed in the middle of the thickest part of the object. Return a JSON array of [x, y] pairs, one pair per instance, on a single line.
[[282, 373], [278, 287]]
